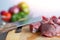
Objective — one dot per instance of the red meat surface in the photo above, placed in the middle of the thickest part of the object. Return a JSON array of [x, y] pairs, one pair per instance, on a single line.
[[48, 27], [51, 27], [34, 27]]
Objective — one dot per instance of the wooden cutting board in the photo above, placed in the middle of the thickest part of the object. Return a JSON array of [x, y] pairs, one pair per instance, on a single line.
[[27, 35]]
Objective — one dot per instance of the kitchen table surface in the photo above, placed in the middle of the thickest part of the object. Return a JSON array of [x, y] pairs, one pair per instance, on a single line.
[[25, 34]]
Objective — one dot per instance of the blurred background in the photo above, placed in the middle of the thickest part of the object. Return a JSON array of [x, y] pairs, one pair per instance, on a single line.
[[37, 7]]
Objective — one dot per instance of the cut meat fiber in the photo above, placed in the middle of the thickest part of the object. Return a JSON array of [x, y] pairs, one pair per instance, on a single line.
[[48, 27]]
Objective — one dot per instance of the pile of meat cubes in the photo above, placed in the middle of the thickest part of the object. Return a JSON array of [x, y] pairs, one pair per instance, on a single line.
[[48, 27]]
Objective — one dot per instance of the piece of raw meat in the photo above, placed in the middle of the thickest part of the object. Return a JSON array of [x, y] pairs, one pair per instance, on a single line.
[[50, 27], [34, 27]]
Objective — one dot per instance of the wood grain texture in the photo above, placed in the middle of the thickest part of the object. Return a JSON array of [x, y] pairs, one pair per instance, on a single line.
[[27, 35]]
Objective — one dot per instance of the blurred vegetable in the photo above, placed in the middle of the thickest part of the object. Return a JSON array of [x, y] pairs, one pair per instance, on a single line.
[[14, 17], [6, 16], [16, 13], [14, 9], [22, 14], [22, 5], [26, 10], [2, 12]]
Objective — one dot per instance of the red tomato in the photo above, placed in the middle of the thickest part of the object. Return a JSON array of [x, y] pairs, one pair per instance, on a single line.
[[6, 16]]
